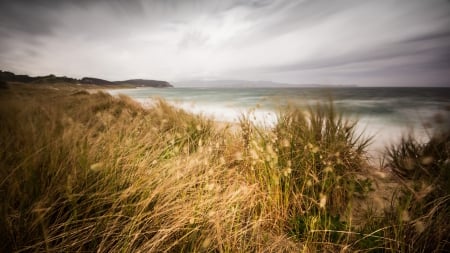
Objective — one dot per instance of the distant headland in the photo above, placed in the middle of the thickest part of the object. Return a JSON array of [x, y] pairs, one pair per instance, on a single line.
[[9, 77]]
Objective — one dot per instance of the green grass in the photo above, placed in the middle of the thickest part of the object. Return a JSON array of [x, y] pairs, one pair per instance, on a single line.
[[92, 172]]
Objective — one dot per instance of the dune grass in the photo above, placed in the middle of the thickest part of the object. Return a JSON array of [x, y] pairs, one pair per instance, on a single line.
[[423, 211], [92, 172]]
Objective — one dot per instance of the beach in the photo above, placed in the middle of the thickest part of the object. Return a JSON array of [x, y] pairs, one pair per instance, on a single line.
[[384, 114]]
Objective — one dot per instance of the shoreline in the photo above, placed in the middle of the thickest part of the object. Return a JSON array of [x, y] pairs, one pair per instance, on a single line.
[[381, 139]]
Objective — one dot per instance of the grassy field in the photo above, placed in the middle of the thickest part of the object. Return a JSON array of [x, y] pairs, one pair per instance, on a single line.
[[87, 172]]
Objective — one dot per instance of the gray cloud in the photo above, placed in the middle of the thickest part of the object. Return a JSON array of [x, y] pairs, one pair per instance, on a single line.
[[433, 45], [17, 17], [369, 42]]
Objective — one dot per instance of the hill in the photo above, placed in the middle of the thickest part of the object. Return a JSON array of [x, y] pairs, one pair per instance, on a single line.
[[145, 83], [232, 83], [9, 77]]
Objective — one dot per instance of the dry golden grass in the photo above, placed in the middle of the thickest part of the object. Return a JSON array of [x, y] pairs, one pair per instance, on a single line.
[[85, 172], [92, 172]]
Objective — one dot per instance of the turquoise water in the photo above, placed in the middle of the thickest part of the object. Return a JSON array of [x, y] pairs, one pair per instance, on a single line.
[[386, 113]]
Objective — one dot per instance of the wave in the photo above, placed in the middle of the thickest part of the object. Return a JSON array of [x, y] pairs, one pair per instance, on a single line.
[[386, 113]]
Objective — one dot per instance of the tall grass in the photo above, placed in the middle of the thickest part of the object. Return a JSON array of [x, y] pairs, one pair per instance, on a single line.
[[422, 215], [92, 172], [87, 172]]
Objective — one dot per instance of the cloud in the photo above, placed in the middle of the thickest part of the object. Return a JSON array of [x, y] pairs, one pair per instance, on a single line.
[[291, 41]]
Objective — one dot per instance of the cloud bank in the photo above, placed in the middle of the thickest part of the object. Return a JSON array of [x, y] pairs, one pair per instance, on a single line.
[[386, 42]]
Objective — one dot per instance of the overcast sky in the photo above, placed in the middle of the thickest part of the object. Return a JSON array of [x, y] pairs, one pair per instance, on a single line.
[[380, 42]]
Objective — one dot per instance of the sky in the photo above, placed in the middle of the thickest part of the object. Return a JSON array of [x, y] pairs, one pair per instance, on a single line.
[[383, 42]]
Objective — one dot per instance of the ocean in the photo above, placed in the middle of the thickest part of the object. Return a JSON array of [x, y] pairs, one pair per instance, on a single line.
[[386, 113]]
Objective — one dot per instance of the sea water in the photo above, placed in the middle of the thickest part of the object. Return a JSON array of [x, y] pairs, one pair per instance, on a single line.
[[384, 113]]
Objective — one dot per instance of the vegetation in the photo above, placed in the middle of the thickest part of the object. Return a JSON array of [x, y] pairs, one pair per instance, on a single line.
[[92, 172], [423, 211]]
